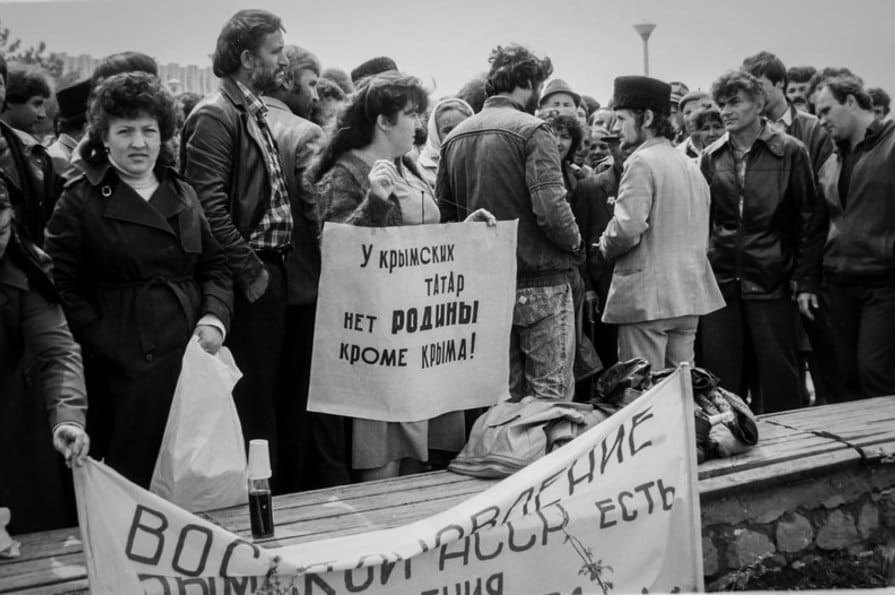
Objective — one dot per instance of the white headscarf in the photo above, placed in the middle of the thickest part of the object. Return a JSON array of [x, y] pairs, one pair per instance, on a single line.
[[431, 153]]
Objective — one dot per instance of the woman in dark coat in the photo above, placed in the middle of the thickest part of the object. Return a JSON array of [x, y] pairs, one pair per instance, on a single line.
[[40, 376], [138, 270]]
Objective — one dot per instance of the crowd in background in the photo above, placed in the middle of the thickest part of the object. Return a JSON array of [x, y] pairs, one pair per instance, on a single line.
[[749, 228]]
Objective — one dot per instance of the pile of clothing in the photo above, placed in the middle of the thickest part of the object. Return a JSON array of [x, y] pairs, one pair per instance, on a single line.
[[725, 425], [513, 434]]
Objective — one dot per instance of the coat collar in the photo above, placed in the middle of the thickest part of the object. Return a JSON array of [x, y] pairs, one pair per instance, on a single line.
[[231, 91], [771, 138], [124, 204], [503, 101], [274, 103]]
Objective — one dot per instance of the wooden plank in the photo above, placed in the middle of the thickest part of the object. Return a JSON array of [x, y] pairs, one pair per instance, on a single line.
[[767, 476], [73, 587], [762, 454], [369, 508], [236, 519], [48, 543], [44, 572], [880, 406]]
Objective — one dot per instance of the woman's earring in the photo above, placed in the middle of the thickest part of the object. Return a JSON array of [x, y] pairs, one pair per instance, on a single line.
[[106, 147]]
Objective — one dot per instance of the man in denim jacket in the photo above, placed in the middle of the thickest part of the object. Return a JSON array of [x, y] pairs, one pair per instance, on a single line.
[[505, 160]]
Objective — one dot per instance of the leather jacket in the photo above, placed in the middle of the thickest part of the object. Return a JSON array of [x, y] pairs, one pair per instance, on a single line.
[[860, 247], [223, 161], [767, 237], [505, 160]]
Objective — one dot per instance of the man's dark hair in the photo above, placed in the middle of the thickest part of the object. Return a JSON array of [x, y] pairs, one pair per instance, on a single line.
[[339, 77], [24, 83], [328, 89], [734, 81], [800, 74], [768, 65], [590, 104], [514, 66], [372, 66], [188, 100], [828, 73], [473, 92], [245, 30], [123, 62], [4, 72], [844, 85], [301, 59], [128, 95], [880, 98]]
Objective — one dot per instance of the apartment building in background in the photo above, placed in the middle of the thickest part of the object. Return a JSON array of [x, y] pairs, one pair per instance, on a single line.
[[177, 77]]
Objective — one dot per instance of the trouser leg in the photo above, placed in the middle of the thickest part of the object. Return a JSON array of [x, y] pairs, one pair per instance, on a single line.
[[256, 338], [772, 325], [876, 342], [545, 320]]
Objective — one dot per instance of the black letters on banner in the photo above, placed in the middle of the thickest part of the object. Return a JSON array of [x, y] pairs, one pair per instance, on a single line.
[[228, 553], [158, 532], [636, 420], [206, 548]]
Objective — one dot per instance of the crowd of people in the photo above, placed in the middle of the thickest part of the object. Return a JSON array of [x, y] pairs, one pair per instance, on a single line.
[[749, 228]]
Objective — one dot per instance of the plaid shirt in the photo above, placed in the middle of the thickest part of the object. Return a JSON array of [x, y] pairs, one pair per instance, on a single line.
[[274, 231]]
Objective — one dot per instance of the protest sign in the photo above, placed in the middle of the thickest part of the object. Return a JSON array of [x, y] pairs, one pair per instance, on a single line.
[[615, 510], [413, 321]]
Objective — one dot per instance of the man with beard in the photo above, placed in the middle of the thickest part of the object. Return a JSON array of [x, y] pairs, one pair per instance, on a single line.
[[662, 282], [229, 155], [506, 160], [304, 72], [766, 240], [312, 445]]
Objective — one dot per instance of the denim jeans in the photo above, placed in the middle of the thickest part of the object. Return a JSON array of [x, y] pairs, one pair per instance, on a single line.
[[542, 343]]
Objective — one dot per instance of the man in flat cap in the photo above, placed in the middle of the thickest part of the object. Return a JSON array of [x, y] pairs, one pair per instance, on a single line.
[[658, 235], [71, 123]]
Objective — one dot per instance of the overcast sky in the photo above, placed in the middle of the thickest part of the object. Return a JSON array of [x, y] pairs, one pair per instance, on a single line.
[[448, 41]]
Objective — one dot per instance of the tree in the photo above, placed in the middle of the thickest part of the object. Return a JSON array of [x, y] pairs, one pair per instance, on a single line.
[[13, 51]]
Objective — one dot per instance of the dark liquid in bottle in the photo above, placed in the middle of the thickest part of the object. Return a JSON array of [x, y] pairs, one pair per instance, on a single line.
[[261, 514]]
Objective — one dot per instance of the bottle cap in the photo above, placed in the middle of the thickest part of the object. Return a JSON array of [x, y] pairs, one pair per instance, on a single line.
[[259, 460]]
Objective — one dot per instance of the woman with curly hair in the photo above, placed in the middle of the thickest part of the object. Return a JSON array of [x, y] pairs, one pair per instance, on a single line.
[[364, 177], [138, 270]]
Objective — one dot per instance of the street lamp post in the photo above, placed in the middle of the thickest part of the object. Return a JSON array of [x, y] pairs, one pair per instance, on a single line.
[[644, 30]]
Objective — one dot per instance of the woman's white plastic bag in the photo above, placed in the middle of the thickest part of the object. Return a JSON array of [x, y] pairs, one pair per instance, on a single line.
[[202, 462]]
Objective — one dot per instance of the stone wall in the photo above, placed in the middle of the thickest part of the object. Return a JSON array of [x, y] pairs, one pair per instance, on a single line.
[[757, 530]]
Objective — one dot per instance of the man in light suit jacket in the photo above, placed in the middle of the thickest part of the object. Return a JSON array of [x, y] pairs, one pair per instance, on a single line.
[[658, 235]]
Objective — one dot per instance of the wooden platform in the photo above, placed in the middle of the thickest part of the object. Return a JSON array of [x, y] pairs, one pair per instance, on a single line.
[[791, 445]]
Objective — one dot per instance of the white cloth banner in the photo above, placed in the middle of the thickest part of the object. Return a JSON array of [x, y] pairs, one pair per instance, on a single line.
[[615, 510], [413, 321]]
